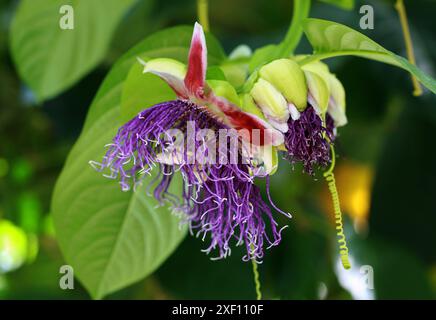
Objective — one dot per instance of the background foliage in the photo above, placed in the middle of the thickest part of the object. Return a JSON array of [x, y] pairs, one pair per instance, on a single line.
[[385, 174]]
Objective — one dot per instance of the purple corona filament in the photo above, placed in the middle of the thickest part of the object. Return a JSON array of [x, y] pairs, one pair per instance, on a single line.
[[306, 140], [218, 200]]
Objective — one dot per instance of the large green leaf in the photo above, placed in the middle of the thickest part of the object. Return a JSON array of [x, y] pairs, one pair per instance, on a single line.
[[114, 238], [51, 59], [330, 39], [141, 90]]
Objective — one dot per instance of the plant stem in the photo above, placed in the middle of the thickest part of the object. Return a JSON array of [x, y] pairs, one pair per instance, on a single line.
[[203, 13], [409, 46], [295, 31], [256, 279]]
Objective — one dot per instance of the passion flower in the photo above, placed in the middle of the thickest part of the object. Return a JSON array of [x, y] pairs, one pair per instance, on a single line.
[[219, 197]]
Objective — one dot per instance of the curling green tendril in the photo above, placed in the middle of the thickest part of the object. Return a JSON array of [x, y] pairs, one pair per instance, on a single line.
[[330, 178]]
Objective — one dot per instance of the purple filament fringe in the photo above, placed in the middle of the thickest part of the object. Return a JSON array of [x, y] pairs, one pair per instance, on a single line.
[[218, 200], [306, 140]]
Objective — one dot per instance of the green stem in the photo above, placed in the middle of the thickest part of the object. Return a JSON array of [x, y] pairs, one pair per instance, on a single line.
[[295, 31], [255, 274], [256, 280], [203, 13], [409, 45]]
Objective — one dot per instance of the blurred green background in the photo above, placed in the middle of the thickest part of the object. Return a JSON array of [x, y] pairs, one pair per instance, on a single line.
[[386, 172]]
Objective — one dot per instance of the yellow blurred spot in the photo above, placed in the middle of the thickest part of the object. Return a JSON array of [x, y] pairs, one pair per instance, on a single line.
[[13, 246], [359, 203], [354, 183]]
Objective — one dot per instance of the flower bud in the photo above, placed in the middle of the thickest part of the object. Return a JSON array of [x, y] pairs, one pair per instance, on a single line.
[[287, 76], [272, 103]]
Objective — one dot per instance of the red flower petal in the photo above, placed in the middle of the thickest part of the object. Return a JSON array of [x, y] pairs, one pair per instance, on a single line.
[[197, 63], [248, 125]]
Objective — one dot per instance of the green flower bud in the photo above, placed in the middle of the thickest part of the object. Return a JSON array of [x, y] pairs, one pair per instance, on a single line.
[[319, 93], [287, 76], [272, 103]]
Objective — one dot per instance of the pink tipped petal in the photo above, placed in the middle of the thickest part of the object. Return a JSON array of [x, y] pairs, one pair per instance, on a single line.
[[197, 63]]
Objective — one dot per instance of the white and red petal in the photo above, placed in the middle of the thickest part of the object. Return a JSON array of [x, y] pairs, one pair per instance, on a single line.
[[247, 124], [197, 63]]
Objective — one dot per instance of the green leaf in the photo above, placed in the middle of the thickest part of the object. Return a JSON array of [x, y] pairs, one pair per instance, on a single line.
[[50, 59], [141, 91], [331, 39], [344, 4], [114, 238]]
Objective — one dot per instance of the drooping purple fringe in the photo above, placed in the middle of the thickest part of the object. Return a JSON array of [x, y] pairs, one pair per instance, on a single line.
[[305, 140], [219, 200]]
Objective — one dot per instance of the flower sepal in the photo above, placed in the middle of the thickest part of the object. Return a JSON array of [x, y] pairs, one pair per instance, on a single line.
[[319, 93], [171, 71], [337, 102], [272, 103], [288, 78]]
